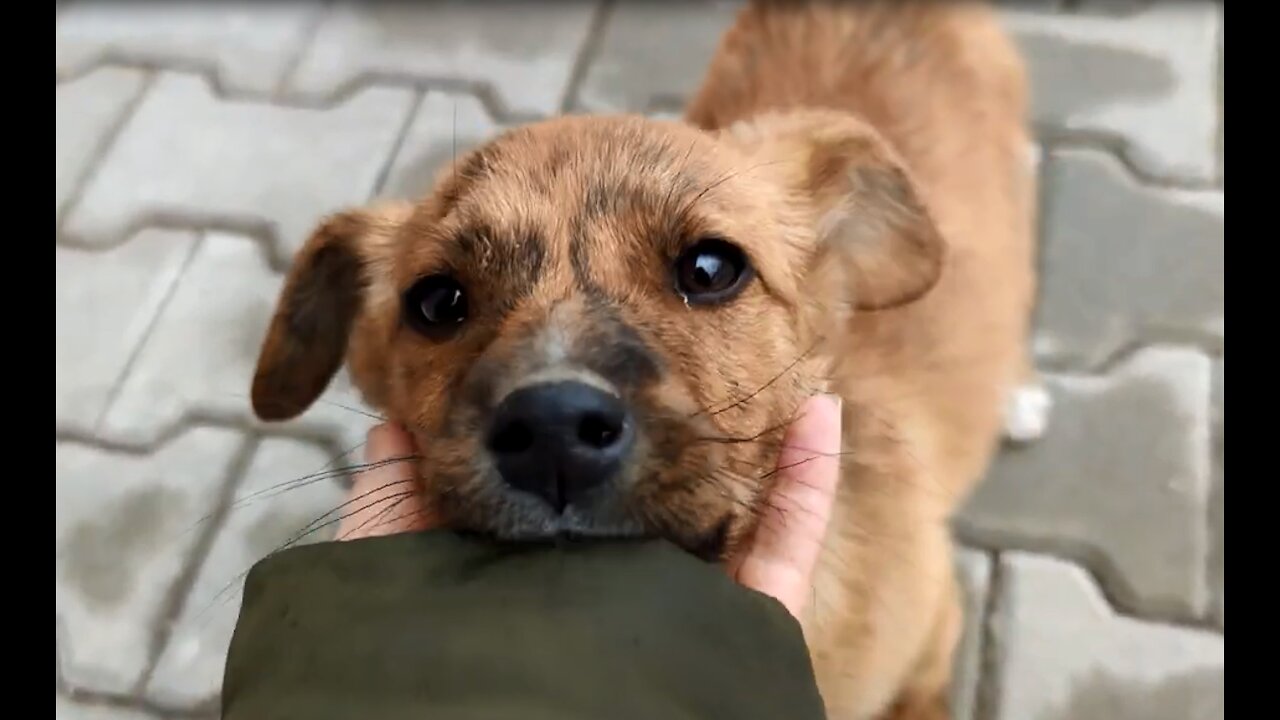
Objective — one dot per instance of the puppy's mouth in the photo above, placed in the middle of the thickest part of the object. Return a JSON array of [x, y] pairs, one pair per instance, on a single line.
[[711, 545], [489, 508], [515, 519], [570, 460]]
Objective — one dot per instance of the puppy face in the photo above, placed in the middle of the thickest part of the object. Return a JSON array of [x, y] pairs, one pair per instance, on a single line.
[[601, 326]]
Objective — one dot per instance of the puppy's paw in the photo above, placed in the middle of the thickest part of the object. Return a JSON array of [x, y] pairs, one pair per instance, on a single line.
[[1026, 413]]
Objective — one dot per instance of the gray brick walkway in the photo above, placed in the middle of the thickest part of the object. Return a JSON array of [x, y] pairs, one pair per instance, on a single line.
[[195, 144]]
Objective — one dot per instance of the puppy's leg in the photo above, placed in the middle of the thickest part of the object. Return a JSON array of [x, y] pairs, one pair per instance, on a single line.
[[927, 695], [1028, 403], [1027, 406]]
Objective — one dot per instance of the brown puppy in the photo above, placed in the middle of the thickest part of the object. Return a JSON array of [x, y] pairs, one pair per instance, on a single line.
[[600, 326]]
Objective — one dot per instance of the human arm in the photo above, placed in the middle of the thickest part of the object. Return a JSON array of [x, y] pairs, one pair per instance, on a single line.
[[404, 621]]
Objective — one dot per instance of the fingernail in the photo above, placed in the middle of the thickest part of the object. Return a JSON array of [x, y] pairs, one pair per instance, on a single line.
[[377, 438], [834, 399]]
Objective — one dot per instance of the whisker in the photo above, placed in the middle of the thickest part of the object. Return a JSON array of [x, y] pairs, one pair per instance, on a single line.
[[318, 476], [403, 516], [282, 487], [381, 513], [355, 410], [358, 411], [293, 540], [737, 403], [344, 453], [684, 211], [684, 163], [730, 440], [308, 528]]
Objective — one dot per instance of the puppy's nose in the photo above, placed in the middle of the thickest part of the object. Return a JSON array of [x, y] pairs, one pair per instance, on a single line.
[[559, 440]]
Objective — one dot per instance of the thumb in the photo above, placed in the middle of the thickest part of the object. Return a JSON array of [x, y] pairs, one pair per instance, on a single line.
[[793, 526], [384, 497]]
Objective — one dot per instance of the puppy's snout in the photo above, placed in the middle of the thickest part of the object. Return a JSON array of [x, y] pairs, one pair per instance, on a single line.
[[559, 440]]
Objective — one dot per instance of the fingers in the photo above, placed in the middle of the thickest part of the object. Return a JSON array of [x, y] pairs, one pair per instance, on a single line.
[[794, 523], [385, 497]]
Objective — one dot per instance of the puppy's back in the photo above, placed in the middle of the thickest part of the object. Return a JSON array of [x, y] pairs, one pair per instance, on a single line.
[[946, 86], [910, 69]]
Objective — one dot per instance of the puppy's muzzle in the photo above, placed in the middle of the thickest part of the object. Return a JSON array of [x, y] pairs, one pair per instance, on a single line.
[[560, 440]]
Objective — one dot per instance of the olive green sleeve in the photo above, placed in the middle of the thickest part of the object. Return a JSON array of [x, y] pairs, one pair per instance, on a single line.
[[435, 625]]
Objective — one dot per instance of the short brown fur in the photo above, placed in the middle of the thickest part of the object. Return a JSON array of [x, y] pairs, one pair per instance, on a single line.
[[870, 159]]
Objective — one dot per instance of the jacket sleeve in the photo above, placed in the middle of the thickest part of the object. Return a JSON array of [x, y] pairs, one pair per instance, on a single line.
[[437, 625]]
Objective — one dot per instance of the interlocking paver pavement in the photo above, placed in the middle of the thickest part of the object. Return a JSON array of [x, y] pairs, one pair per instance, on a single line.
[[445, 125], [198, 357], [652, 54], [520, 55], [86, 112], [1064, 654], [264, 518], [197, 145], [188, 153], [1145, 79], [69, 710], [1218, 500], [247, 46], [126, 526], [975, 576], [1121, 479], [104, 304], [1126, 263]]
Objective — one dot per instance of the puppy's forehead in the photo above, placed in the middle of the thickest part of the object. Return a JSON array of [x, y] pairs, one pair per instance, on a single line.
[[615, 146], [603, 206], [569, 185], [555, 170]]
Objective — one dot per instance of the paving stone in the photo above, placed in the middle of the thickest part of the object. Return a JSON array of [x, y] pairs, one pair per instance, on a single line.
[[248, 45], [1121, 479], [189, 155], [524, 52], [1065, 654], [104, 304], [1111, 8], [1147, 78], [275, 504], [975, 577], [1043, 5], [201, 353], [1218, 501], [654, 54], [65, 709], [1222, 106], [445, 125], [124, 529], [86, 111], [1124, 263]]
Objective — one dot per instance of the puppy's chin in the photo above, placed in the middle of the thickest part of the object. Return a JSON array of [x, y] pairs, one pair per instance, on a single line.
[[512, 517], [711, 545], [486, 507]]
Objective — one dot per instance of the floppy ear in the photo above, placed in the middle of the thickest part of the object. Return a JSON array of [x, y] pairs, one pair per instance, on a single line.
[[317, 310], [869, 214]]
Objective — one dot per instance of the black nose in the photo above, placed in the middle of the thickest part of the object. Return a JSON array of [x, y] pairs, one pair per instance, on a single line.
[[559, 440]]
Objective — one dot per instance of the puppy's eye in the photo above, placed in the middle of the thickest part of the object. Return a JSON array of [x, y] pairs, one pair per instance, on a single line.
[[711, 270], [435, 305]]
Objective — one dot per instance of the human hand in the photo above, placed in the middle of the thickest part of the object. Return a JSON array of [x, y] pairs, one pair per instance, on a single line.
[[384, 497], [780, 561]]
